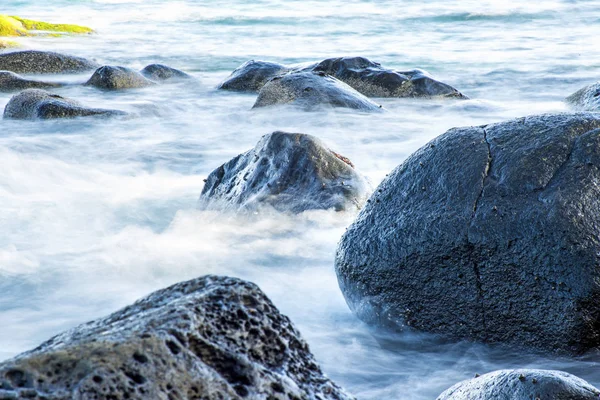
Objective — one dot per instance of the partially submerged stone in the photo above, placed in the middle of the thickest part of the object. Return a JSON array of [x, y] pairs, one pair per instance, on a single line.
[[208, 338], [111, 77], [43, 62], [11, 27], [310, 91], [39, 104], [10, 82], [32, 25], [288, 171], [522, 384], [162, 73], [587, 98], [252, 76], [8, 44]]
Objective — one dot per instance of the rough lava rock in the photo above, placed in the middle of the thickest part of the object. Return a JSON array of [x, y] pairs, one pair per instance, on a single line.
[[10, 82], [372, 80], [310, 91], [43, 62], [209, 338], [110, 77], [587, 98], [162, 73], [39, 104], [252, 76], [487, 233], [289, 171], [522, 384]]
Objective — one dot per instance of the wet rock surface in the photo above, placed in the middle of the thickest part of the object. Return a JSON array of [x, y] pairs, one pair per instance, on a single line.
[[522, 384], [162, 73], [288, 171], [252, 76], [110, 77], [586, 99], [43, 62], [312, 91], [39, 104], [208, 338], [10, 82], [487, 233]]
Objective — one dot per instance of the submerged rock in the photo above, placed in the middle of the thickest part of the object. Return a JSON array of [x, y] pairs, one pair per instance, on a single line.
[[372, 80], [587, 98], [208, 338], [110, 77], [522, 384], [10, 82], [39, 104], [252, 76], [289, 171], [487, 233], [43, 62], [310, 90], [161, 73]]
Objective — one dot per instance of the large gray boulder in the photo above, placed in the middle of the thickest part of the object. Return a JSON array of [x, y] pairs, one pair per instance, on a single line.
[[372, 80], [163, 73], [252, 76], [110, 77], [487, 233], [587, 98], [522, 384], [43, 62], [288, 171], [208, 338], [10, 82], [310, 91], [39, 104]]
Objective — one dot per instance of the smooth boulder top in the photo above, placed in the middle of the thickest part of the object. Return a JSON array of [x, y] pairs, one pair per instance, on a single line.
[[486, 233], [587, 98], [252, 76], [208, 338], [111, 77], [39, 104], [290, 172], [43, 62], [522, 384], [10, 82], [162, 73], [311, 91]]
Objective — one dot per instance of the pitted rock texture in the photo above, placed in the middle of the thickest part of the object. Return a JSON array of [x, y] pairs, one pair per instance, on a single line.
[[162, 73], [522, 384], [288, 171], [311, 91], [252, 76], [372, 80], [208, 338], [587, 98], [39, 104], [43, 62], [487, 233], [110, 77], [10, 82]]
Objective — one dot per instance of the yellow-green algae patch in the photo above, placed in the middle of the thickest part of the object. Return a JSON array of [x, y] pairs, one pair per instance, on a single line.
[[7, 44], [11, 27], [17, 26]]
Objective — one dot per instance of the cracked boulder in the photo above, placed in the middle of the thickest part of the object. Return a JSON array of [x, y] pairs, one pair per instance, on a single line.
[[311, 91], [521, 384], [39, 104], [586, 99], [252, 76], [486, 233], [372, 80], [163, 73], [209, 338], [10, 82], [290, 172], [44, 62], [110, 77]]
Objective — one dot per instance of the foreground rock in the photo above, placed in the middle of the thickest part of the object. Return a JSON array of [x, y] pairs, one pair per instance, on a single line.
[[372, 80], [487, 233], [522, 384], [10, 82], [289, 172], [163, 73], [43, 62], [39, 104], [110, 77], [587, 98], [309, 91], [208, 338]]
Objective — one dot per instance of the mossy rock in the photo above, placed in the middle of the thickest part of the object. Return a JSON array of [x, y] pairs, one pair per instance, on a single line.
[[8, 44], [12, 27], [16, 26]]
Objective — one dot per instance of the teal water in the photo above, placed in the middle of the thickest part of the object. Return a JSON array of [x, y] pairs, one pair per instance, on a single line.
[[97, 213]]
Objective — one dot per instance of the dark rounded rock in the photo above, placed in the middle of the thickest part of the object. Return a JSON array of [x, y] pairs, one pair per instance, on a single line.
[[289, 172], [372, 80], [522, 384], [487, 233], [252, 76], [208, 338], [39, 104], [10, 82], [312, 90], [587, 98], [43, 62], [161, 73], [110, 77]]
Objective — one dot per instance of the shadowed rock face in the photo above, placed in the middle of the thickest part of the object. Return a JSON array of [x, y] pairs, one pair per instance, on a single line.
[[109, 77], [43, 62], [288, 171], [252, 76], [587, 98], [10, 82], [522, 384], [161, 73], [39, 104], [208, 338], [487, 233], [372, 80], [311, 91]]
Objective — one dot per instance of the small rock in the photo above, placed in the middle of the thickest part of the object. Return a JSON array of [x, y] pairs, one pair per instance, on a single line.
[[110, 77]]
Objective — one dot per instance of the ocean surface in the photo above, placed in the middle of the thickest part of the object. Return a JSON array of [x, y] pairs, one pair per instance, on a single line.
[[97, 213]]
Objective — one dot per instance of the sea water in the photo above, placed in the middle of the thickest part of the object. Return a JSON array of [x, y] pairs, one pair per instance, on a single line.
[[96, 213]]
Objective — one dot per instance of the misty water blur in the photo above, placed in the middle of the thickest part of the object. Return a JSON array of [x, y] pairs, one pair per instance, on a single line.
[[96, 213]]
